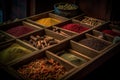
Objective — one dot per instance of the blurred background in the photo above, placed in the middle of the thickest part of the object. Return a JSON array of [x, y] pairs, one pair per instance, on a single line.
[[17, 9]]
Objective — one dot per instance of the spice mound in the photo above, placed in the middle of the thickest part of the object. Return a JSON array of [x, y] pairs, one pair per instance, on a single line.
[[19, 30], [12, 52], [48, 21], [72, 58], [94, 43], [75, 27], [42, 69]]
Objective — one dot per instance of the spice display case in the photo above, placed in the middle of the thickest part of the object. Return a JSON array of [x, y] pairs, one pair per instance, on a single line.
[[78, 53]]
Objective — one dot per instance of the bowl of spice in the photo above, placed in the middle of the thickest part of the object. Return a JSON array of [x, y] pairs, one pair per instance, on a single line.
[[66, 9]]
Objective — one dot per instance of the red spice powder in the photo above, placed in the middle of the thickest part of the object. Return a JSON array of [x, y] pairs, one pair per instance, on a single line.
[[19, 30], [110, 32], [75, 27]]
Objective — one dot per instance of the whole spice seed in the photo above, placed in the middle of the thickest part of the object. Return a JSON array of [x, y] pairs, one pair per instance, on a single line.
[[67, 6], [38, 37], [60, 32], [91, 21], [33, 38]]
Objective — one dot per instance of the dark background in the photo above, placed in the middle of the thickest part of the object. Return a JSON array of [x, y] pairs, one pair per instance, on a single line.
[[103, 9]]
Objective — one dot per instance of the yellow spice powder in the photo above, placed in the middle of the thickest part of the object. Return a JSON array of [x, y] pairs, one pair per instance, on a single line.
[[48, 21]]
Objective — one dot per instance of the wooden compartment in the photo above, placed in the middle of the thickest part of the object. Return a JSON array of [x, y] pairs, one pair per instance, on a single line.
[[61, 31], [45, 59], [68, 52], [101, 35], [4, 38], [74, 26], [13, 51], [43, 39], [87, 20], [91, 36], [93, 43], [46, 19], [109, 30], [19, 28]]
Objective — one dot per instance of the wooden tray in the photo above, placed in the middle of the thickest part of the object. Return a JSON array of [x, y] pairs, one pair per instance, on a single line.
[[94, 58]]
